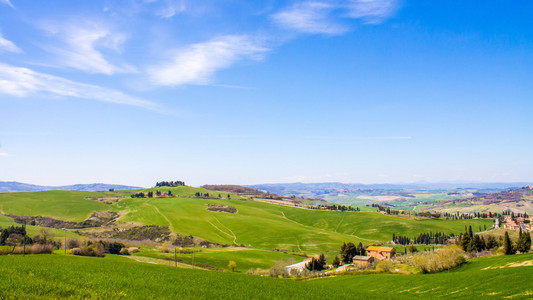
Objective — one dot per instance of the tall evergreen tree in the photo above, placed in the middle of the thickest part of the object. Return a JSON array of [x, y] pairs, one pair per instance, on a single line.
[[507, 245]]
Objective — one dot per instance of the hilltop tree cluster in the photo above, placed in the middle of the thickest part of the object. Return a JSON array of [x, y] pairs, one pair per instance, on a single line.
[[341, 207], [387, 209], [150, 194], [170, 183]]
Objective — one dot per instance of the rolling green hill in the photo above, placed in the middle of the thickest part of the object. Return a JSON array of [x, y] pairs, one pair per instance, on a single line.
[[57, 276], [256, 224]]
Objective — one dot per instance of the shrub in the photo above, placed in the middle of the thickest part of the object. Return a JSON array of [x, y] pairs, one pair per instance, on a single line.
[[35, 249], [444, 259], [91, 250], [278, 269], [73, 243], [115, 247], [132, 250], [384, 266]]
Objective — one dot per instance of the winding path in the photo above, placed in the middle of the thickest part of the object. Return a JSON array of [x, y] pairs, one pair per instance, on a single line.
[[159, 212]]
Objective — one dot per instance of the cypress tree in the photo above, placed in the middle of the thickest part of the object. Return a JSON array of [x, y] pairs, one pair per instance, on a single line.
[[507, 246]]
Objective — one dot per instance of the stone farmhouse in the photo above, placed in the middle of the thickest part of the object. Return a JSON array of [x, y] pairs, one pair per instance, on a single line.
[[380, 253]]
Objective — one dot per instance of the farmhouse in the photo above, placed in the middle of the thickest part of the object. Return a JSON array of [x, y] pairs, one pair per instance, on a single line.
[[362, 260], [381, 253], [297, 267], [511, 225]]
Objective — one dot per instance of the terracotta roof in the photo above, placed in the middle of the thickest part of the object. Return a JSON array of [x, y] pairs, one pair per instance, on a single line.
[[380, 249]]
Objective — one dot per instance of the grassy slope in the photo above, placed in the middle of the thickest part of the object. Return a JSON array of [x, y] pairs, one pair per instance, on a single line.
[[56, 276], [35, 230], [69, 206], [258, 224], [246, 258]]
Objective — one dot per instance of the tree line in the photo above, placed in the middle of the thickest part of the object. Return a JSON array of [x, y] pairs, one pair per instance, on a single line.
[[209, 196], [170, 183], [425, 238], [471, 242], [150, 194]]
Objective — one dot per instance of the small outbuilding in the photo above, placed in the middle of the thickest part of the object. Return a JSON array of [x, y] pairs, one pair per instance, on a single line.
[[298, 267], [363, 260]]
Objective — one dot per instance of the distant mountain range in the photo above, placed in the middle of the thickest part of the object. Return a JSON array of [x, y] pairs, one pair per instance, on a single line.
[[299, 188], [13, 186]]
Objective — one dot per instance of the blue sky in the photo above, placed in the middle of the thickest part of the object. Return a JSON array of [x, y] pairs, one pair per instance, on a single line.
[[252, 92]]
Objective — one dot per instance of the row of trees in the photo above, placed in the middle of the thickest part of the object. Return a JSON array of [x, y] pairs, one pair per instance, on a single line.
[[341, 207], [423, 238], [469, 216], [513, 215], [170, 183], [149, 194], [209, 196], [387, 209]]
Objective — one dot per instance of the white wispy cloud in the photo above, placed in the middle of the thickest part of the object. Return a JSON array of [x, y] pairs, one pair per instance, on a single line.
[[372, 11], [170, 8], [23, 82], [197, 63], [7, 45], [309, 17], [326, 17], [3, 154], [81, 47], [7, 2]]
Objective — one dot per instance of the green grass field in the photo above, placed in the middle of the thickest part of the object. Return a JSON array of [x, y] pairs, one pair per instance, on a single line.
[[246, 258], [256, 224], [57, 276]]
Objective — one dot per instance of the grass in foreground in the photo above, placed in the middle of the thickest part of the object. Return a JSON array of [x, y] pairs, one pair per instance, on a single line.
[[56, 276]]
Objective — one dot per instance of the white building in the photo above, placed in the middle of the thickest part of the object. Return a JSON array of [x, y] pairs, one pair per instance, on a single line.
[[297, 266]]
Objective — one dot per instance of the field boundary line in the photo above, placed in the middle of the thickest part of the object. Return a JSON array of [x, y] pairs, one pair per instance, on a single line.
[[338, 225], [220, 229], [160, 213], [234, 236]]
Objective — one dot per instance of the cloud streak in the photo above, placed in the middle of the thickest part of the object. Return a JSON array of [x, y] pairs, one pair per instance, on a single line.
[[371, 11], [23, 82], [170, 9], [309, 17], [7, 45], [325, 17], [7, 2], [82, 44], [197, 63]]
